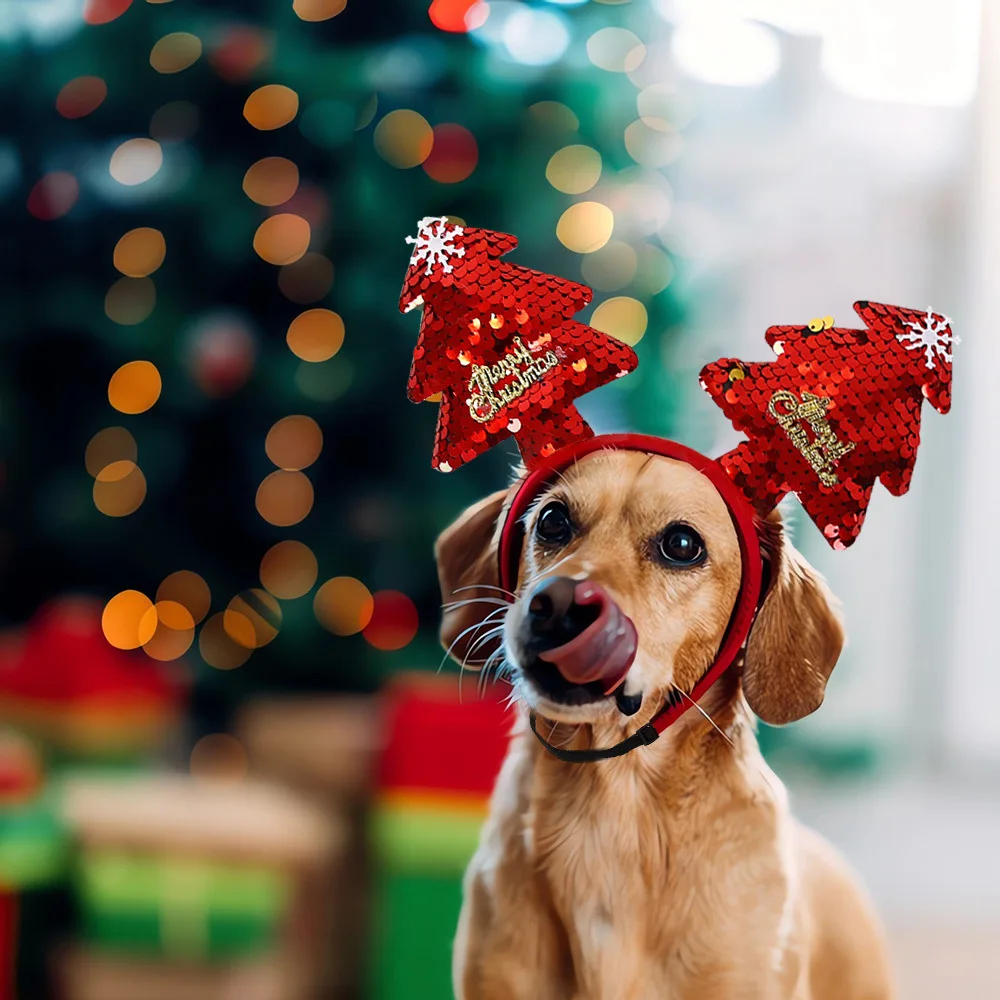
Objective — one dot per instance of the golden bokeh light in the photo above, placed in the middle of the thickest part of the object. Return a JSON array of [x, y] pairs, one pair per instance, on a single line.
[[140, 252], [113, 444], [307, 280], [217, 648], [553, 116], [294, 442], [173, 631], [130, 300], [252, 618], [621, 317], [271, 181], [135, 161], [81, 96], [404, 138], [610, 268], [315, 335], [343, 605], [284, 498], [135, 387], [655, 271], [219, 757], [271, 106], [616, 50], [282, 239], [125, 621], [175, 52], [188, 590], [289, 569], [652, 147], [119, 489], [318, 10], [574, 169], [586, 226]]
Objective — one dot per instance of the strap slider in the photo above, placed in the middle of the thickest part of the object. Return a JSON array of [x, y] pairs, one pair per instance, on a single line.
[[648, 734]]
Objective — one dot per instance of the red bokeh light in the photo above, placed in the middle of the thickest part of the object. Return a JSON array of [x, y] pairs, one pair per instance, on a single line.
[[81, 96], [53, 196], [450, 15], [240, 52], [394, 621], [103, 11], [453, 156]]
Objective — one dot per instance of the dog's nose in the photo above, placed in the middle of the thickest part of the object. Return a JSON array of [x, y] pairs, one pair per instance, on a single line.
[[554, 617]]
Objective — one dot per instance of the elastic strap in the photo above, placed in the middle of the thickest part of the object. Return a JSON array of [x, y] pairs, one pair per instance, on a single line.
[[640, 738]]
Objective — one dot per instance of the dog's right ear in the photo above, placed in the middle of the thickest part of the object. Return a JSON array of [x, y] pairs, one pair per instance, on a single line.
[[466, 555]]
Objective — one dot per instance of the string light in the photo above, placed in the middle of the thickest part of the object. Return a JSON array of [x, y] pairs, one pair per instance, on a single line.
[[282, 239], [140, 252], [284, 498], [289, 569], [315, 335], [343, 605], [135, 387], [271, 106], [125, 622], [294, 442]]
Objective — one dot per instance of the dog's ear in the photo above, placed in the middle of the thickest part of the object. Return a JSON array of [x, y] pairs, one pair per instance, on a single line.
[[797, 637], [466, 555]]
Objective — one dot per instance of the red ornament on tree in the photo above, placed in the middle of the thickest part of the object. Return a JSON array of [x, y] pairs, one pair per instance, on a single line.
[[497, 342], [837, 410]]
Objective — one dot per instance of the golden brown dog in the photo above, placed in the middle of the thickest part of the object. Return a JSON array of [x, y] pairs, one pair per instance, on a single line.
[[675, 872]]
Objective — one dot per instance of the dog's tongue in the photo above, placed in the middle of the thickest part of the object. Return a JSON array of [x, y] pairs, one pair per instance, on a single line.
[[604, 650]]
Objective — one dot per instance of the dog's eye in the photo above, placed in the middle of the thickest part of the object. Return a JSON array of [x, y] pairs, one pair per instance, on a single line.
[[680, 545], [554, 526]]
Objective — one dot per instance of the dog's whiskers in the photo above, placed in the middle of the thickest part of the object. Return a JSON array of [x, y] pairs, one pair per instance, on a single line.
[[711, 721], [472, 628], [484, 586], [454, 605]]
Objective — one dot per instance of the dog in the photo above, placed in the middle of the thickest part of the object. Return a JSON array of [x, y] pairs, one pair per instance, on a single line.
[[676, 871]]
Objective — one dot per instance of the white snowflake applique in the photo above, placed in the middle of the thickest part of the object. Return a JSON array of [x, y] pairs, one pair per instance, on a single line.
[[435, 245], [931, 335]]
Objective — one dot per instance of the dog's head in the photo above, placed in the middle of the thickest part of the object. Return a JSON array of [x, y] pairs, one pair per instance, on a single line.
[[628, 574]]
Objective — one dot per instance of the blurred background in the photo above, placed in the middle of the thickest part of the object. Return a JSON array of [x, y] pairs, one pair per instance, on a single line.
[[227, 767]]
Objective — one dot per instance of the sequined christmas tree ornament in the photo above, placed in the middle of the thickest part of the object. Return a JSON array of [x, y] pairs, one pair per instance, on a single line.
[[838, 409], [499, 344]]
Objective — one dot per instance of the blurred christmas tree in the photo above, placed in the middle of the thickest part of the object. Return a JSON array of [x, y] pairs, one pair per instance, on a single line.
[[222, 192]]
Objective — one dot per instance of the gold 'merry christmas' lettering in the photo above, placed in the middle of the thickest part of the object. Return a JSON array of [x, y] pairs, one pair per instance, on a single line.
[[494, 386], [823, 451]]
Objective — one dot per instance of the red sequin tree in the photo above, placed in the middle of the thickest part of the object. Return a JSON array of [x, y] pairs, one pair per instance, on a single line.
[[497, 342], [837, 410]]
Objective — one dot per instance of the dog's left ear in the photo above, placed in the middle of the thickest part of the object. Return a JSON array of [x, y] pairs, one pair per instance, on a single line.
[[466, 553], [797, 638]]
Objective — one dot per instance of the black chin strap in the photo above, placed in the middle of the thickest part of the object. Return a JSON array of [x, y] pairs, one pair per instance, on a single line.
[[640, 738]]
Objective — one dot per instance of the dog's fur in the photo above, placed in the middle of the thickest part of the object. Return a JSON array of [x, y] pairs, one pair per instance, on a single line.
[[675, 872]]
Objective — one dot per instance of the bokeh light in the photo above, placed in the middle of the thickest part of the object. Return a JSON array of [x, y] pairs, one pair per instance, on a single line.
[[622, 317], [535, 37], [366, 113], [252, 618], [294, 442], [113, 444], [289, 569], [616, 50], [81, 96], [324, 381], [458, 15], [242, 50], [125, 622], [135, 161], [219, 757], [135, 387], [343, 605], [130, 300], [271, 181], [652, 147], [328, 123], [175, 121], [453, 156], [610, 268], [311, 203], [175, 52], [284, 498], [307, 279], [282, 238], [554, 117], [53, 195], [318, 10], [655, 271], [404, 138], [574, 169], [189, 590], [119, 489], [585, 226], [103, 11], [140, 252], [173, 633], [217, 648], [271, 107], [657, 105], [394, 621], [221, 354], [315, 335]]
